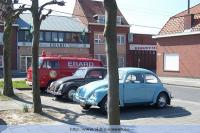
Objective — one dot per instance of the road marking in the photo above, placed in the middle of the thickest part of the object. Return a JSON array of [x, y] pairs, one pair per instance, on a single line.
[[185, 101]]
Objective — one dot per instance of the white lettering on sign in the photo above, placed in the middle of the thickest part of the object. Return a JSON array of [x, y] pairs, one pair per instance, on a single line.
[[141, 47], [77, 64]]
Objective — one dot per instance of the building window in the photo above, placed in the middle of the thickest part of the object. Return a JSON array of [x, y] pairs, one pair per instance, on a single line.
[[99, 39], [1, 38], [76, 37], [121, 39], [54, 36], [171, 62], [25, 63], [101, 57], [101, 19], [48, 36], [1, 61], [60, 37], [121, 61], [41, 36], [24, 35], [119, 20], [68, 37]]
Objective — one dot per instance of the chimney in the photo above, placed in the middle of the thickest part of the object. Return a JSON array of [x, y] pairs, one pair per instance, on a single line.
[[188, 20]]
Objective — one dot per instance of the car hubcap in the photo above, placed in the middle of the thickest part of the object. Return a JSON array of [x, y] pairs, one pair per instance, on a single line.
[[162, 101], [71, 93]]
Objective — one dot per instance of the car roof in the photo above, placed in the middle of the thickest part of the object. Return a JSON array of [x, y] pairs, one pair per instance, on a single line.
[[134, 69], [89, 68]]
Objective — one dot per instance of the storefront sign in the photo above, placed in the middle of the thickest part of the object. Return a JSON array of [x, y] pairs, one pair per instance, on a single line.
[[141, 47], [1, 38], [57, 45]]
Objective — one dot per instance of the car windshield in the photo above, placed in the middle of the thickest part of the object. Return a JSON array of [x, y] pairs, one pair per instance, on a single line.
[[121, 75], [80, 73]]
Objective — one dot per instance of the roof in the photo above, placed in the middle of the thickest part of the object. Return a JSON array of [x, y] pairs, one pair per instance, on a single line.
[[176, 23], [134, 69], [53, 23], [92, 8]]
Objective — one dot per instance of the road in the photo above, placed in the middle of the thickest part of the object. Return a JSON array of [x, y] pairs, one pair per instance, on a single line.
[[185, 93]]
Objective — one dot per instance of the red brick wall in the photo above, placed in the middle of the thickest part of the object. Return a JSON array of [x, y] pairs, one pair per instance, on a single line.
[[188, 48], [100, 28]]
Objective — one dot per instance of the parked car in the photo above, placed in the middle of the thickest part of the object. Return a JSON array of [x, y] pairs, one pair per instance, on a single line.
[[53, 67], [66, 87], [136, 86]]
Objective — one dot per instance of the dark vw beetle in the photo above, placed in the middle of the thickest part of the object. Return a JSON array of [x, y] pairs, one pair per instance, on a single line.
[[66, 87]]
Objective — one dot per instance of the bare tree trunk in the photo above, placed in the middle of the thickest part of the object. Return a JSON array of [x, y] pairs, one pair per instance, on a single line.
[[7, 50], [112, 62], [35, 45]]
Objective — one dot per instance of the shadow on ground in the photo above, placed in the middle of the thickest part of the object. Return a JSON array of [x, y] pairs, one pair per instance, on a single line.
[[136, 112], [48, 111], [3, 125]]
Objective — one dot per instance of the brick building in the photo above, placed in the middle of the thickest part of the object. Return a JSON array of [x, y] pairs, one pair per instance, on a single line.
[[178, 45], [59, 35], [141, 51], [92, 14]]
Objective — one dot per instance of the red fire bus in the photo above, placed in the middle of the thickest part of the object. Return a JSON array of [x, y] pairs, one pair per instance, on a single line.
[[52, 68]]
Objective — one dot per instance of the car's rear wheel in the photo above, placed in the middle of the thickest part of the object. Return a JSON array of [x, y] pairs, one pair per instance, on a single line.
[[103, 105], [69, 93], [86, 106], [161, 100]]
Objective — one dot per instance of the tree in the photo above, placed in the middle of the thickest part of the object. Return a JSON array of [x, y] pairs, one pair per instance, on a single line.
[[38, 17], [112, 62], [9, 15]]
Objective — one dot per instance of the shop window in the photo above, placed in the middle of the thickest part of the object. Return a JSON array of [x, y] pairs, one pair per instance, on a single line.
[[41, 36], [1, 61], [171, 62], [47, 36], [54, 36], [25, 63], [60, 37], [102, 58], [76, 37], [121, 62]]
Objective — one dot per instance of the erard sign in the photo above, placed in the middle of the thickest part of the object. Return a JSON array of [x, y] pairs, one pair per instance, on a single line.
[[77, 64]]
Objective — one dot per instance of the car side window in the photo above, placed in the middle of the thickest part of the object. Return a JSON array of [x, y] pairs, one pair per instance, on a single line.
[[151, 79], [95, 74], [134, 78], [51, 64]]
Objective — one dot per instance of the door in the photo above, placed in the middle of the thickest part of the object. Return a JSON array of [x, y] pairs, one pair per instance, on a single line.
[[151, 83], [25, 63], [134, 89]]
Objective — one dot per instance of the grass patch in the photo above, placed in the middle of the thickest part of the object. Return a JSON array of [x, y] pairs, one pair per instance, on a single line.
[[21, 84]]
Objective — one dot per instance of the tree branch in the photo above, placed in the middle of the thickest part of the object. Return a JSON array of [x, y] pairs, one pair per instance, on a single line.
[[53, 2], [2, 2], [43, 17], [19, 11]]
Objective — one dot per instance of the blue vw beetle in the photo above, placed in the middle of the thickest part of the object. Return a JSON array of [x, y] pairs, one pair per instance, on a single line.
[[136, 86]]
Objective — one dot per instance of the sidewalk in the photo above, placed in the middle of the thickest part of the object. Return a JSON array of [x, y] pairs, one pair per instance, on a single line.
[[188, 82]]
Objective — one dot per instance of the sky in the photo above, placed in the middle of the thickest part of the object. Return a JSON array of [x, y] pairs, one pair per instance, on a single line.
[[144, 16]]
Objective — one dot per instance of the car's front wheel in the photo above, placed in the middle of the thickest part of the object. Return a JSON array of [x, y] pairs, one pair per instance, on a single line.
[[161, 100], [69, 93]]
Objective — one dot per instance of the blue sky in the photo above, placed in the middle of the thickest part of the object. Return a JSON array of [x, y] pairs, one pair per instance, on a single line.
[[141, 13]]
